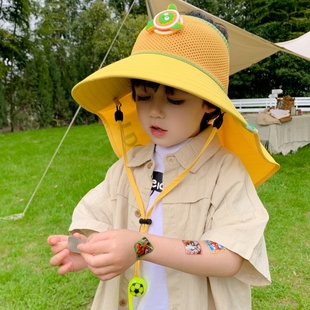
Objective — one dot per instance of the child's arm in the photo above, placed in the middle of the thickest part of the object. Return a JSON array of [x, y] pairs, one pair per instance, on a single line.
[[199, 257], [110, 253], [62, 257]]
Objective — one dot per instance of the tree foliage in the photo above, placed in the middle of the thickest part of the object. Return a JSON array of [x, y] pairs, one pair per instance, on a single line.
[[3, 111], [47, 47], [14, 47], [121, 6], [277, 22]]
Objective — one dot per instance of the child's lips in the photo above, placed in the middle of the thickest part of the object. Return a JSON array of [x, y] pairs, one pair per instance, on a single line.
[[157, 131]]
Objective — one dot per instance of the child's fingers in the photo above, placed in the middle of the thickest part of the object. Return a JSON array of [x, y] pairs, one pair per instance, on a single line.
[[58, 259], [80, 236], [58, 247], [96, 261], [94, 248], [54, 239], [65, 268]]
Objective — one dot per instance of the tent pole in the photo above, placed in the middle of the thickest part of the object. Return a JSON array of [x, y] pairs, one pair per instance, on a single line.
[[149, 6]]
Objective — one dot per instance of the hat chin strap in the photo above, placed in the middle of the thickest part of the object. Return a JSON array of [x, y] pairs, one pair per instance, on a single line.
[[168, 188]]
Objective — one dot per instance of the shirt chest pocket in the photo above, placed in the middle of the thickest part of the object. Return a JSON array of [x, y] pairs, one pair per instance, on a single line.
[[186, 213]]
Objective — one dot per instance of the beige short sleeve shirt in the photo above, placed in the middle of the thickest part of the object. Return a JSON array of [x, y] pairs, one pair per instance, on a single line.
[[216, 201]]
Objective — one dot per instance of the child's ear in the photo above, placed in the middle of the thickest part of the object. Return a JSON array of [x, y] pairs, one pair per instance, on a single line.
[[209, 108]]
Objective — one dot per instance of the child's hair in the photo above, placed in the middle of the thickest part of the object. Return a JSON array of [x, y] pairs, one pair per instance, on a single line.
[[210, 20]]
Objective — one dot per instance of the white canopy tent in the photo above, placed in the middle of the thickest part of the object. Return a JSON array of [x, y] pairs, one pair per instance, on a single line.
[[246, 48], [299, 46]]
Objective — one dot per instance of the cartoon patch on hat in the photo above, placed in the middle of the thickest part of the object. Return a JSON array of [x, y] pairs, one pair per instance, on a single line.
[[166, 22]]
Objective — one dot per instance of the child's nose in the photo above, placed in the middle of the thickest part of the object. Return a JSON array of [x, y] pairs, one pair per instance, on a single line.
[[156, 108]]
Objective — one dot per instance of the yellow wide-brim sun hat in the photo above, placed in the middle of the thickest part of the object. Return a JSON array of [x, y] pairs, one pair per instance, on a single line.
[[192, 57]]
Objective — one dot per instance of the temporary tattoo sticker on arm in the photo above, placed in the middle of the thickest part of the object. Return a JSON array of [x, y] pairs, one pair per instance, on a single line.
[[192, 247], [143, 247], [215, 247]]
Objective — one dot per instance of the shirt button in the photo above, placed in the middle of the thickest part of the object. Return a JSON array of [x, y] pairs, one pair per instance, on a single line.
[[123, 303], [149, 165], [171, 160], [137, 213]]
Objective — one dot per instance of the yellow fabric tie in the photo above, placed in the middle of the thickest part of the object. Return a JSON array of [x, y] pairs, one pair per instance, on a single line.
[[166, 190]]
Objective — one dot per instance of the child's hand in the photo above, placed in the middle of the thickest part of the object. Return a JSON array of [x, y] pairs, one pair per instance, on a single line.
[[62, 257], [109, 254]]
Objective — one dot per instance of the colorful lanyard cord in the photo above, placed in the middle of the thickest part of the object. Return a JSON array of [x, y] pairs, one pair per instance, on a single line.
[[137, 286]]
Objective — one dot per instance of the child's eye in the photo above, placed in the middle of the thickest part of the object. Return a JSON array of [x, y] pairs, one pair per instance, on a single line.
[[143, 98], [176, 102]]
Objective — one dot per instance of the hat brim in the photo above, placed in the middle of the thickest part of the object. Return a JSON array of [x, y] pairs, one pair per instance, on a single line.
[[100, 88], [97, 93]]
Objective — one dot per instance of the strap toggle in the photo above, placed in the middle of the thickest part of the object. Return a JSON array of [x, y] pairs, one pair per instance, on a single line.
[[145, 221], [118, 115]]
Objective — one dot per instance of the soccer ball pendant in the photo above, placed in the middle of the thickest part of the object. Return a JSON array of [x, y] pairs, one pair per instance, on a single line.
[[137, 287]]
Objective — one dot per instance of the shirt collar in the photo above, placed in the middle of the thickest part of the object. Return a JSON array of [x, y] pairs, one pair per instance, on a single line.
[[185, 156]]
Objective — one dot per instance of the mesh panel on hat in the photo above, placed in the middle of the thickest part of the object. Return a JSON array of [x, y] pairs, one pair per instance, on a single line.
[[198, 42]]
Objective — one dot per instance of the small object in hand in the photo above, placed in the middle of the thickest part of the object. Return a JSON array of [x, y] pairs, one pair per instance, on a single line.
[[73, 242]]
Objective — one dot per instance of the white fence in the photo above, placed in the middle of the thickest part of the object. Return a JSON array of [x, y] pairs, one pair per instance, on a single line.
[[256, 105]]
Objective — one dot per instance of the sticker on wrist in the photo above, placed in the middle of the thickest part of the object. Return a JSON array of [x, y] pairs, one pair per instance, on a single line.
[[143, 247], [192, 247]]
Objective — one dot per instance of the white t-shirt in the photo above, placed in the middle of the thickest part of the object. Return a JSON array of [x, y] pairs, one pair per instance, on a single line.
[[156, 296]]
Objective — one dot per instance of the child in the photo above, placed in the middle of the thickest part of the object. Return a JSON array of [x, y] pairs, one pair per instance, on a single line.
[[177, 223]]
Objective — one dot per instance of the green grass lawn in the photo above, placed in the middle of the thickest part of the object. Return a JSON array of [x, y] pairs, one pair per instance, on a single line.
[[28, 282]]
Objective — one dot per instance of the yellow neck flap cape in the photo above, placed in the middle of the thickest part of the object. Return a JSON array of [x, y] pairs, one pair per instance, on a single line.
[[187, 53]]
